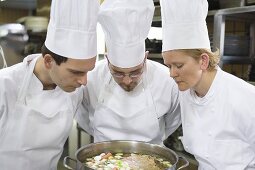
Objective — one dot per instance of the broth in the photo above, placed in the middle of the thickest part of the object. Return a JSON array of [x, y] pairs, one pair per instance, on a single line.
[[127, 161]]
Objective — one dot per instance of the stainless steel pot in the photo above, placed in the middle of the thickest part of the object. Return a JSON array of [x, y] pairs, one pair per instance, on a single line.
[[93, 149]]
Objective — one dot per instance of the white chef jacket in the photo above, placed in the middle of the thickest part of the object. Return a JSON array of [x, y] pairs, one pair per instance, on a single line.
[[149, 113], [34, 123], [219, 129]]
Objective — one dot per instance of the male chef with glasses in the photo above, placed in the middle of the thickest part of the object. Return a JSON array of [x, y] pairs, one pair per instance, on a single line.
[[129, 97]]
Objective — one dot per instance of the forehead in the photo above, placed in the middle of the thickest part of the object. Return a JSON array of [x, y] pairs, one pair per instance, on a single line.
[[126, 70], [80, 64], [174, 56]]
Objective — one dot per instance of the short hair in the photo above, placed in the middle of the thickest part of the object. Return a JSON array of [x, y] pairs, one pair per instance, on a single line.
[[58, 58], [214, 57]]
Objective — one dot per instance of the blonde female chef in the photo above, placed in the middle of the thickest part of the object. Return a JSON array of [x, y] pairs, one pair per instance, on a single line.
[[217, 108]]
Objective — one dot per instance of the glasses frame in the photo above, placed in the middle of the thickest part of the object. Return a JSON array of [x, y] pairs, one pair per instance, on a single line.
[[123, 75]]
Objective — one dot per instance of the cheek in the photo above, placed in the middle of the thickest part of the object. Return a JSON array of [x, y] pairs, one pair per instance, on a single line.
[[194, 76], [191, 75], [117, 80], [68, 78], [64, 77]]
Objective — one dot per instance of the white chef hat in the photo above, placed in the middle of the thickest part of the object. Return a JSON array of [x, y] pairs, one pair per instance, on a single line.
[[184, 24], [72, 28], [126, 24]]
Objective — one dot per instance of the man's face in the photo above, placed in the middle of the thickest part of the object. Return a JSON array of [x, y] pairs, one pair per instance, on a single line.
[[127, 78], [72, 73]]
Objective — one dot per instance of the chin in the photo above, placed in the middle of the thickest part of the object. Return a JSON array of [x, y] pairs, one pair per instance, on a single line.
[[126, 89], [69, 90], [182, 88]]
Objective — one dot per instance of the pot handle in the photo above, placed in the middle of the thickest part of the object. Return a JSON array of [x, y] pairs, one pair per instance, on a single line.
[[65, 162], [186, 163]]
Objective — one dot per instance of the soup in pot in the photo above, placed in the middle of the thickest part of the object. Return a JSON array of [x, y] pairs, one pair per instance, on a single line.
[[126, 161]]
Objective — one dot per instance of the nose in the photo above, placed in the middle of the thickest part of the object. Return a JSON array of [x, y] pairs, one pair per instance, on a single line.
[[127, 80], [173, 72], [83, 80]]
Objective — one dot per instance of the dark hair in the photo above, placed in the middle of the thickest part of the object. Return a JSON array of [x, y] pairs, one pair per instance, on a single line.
[[58, 58]]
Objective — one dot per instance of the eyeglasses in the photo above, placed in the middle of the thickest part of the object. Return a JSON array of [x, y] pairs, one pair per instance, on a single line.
[[133, 75]]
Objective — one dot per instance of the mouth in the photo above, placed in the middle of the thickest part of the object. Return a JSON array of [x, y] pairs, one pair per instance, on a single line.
[[126, 88]]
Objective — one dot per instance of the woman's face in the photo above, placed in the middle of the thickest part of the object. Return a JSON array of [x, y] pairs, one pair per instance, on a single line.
[[184, 69]]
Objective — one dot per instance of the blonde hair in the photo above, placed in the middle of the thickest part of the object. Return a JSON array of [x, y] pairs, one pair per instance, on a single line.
[[214, 57]]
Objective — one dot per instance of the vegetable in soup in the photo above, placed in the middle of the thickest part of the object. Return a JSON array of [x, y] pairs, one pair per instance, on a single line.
[[127, 161]]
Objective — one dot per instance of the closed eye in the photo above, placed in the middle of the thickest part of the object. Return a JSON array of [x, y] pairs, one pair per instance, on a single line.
[[179, 65], [176, 65]]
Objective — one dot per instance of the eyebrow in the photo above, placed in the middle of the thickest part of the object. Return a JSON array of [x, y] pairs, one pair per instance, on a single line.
[[138, 70], [76, 71]]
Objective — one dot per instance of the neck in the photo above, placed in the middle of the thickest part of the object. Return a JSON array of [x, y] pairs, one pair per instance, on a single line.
[[43, 75], [205, 83]]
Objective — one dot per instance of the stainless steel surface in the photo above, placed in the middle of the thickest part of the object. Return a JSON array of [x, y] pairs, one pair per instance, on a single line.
[[237, 45], [155, 55], [244, 13], [252, 82], [66, 160], [11, 28], [13, 36], [231, 3], [219, 27], [126, 147], [237, 10], [19, 4], [3, 63], [250, 2]]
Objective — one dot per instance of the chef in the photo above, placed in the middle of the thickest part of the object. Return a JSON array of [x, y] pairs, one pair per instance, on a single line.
[[217, 108], [129, 97], [38, 97]]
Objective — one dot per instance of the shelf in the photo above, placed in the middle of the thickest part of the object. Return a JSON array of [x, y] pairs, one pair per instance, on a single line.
[[236, 59], [236, 10], [245, 14], [156, 21], [212, 12], [155, 55], [251, 82], [157, 17], [156, 2]]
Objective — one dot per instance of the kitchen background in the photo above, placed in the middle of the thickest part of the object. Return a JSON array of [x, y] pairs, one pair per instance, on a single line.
[[231, 25]]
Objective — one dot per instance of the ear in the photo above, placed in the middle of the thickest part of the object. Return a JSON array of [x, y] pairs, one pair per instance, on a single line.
[[48, 60], [204, 61]]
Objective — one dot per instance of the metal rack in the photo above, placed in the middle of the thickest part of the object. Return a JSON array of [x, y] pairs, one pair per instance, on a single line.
[[247, 14], [219, 18]]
